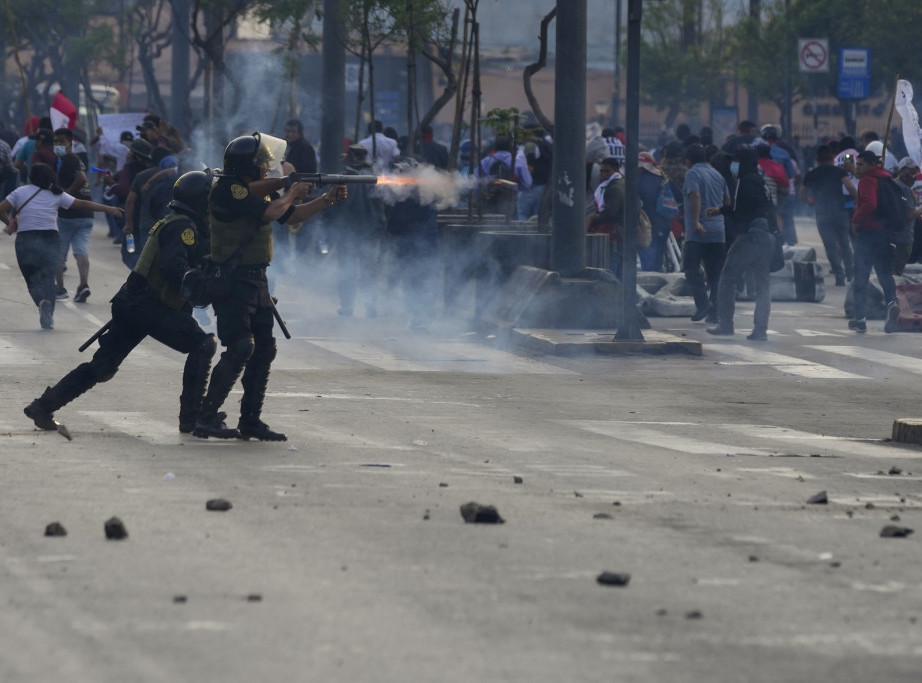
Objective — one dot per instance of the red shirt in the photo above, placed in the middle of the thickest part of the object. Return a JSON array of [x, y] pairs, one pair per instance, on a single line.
[[866, 204]]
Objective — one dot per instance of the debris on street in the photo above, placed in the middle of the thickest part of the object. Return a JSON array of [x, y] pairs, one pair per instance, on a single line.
[[115, 529], [475, 513]]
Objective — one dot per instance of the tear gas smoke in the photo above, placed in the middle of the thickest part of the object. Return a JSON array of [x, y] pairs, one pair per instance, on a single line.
[[432, 186]]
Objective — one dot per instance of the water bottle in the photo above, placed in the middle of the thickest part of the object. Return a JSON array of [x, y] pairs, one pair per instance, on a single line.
[[129, 243]]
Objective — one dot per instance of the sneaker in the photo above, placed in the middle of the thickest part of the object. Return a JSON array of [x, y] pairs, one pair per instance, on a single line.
[[757, 335], [893, 317], [61, 293], [702, 313], [254, 428], [82, 294], [858, 325], [721, 331], [46, 314]]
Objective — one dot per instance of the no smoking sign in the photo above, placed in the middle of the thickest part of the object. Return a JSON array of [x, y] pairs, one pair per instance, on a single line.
[[813, 55]]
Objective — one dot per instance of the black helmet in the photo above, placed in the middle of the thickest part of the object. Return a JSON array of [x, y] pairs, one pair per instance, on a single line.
[[190, 194], [243, 156]]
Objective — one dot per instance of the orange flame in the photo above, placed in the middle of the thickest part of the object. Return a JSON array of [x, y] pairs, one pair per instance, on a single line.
[[397, 180]]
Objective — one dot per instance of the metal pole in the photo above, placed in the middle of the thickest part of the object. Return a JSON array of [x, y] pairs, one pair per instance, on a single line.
[[333, 86], [630, 329], [568, 238], [616, 98], [816, 114], [179, 85]]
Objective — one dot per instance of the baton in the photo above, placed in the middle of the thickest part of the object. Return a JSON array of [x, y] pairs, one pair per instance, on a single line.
[[95, 336], [278, 319]]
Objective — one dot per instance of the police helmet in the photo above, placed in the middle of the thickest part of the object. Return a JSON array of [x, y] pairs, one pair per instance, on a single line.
[[770, 131], [244, 155], [190, 194]]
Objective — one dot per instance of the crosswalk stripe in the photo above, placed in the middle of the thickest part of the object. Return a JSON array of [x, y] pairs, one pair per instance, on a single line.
[[436, 356], [657, 434], [893, 360], [789, 364], [14, 354], [823, 333]]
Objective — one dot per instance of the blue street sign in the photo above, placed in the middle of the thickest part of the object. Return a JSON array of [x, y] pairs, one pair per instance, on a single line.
[[854, 73]]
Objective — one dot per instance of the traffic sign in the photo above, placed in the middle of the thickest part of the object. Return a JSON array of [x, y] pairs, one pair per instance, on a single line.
[[854, 73], [813, 55]]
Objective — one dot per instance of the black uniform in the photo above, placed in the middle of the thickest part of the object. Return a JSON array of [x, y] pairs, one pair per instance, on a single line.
[[245, 312], [148, 304]]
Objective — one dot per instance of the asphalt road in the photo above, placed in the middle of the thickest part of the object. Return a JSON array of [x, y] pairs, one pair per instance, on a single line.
[[345, 556]]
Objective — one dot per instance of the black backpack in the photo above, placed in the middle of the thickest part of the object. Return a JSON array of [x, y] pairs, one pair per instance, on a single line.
[[892, 206]]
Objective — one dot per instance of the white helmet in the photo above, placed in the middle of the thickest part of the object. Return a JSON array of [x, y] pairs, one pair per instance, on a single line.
[[877, 147]]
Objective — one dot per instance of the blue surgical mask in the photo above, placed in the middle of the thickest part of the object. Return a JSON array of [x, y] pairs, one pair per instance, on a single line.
[[60, 150], [735, 169]]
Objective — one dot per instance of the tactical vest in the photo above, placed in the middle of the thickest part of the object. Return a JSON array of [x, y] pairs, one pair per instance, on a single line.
[[227, 236], [148, 264]]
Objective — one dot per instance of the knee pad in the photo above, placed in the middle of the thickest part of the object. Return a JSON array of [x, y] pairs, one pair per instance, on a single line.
[[265, 351], [207, 346], [242, 348]]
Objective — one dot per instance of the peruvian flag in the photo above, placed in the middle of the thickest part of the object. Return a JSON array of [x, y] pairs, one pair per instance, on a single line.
[[63, 112]]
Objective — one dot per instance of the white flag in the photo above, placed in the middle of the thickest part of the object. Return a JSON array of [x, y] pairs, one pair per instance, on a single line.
[[912, 134]]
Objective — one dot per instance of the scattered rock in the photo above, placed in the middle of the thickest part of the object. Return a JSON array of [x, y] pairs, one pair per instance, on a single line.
[[518, 480], [893, 518], [613, 579], [218, 505], [254, 597], [753, 558], [617, 503], [850, 513], [869, 506], [426, 515], [443, 484], [818, 499], [475, 513], [835, 565], [894, 471], [602, 515], [115, 529], [577, 494], [891, 531], [178, 599], [694, 614], [374, 464], [661, 612], [55, 529]]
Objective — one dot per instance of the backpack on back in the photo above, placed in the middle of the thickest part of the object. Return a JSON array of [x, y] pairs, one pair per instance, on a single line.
[[499, 192], [892, 207]]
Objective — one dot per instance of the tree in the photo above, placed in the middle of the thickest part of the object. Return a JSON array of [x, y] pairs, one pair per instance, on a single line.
[[64, 43], [151, 33], [684, 55], [294, 19]]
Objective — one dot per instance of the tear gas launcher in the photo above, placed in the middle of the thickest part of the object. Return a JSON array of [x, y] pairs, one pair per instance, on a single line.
[[331, 179]]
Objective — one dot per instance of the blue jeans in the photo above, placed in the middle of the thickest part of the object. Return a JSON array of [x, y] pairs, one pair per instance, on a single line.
[[530, 202], [872, 250]]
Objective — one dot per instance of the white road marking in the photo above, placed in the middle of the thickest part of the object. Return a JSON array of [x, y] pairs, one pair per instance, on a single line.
[[789, 364], [824, 442], [637, 433], [892, 360], [821, 333], [439, 356]]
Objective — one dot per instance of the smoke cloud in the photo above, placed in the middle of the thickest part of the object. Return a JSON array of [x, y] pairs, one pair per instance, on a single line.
[[431, 186]]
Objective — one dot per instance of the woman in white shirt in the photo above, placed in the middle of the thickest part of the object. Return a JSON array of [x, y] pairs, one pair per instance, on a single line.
[[36, 229]]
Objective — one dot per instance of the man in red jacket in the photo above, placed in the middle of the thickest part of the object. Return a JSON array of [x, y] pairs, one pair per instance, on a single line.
[[871, 240]]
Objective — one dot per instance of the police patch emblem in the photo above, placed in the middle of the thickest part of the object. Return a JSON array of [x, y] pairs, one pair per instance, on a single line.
[[239, 191], [188, 237]]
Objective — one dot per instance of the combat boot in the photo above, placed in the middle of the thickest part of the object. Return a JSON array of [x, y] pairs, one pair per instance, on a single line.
[[253, 428], [40, 415], [214, 427]]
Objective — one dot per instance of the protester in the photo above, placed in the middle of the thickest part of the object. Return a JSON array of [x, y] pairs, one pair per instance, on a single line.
[[35, 225]]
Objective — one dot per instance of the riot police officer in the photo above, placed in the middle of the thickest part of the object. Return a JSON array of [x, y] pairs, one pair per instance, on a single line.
[[242, 210], [150, 303]]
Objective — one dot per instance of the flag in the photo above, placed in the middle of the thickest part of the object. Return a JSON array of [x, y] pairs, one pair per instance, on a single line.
[[912, 133], [63, 112]]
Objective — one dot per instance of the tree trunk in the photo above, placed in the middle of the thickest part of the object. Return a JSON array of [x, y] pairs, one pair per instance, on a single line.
[[463, 73], [532, 69]]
